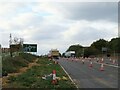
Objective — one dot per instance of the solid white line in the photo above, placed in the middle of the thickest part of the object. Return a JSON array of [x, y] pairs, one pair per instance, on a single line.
[[69, 76], [112, 65], [109, 65]]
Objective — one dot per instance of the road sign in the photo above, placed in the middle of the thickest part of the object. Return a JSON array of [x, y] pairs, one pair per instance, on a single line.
[[15, 47], [30, 47], [104, 49]]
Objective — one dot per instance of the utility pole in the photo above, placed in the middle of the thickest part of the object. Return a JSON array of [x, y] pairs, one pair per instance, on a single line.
[[10, 43]]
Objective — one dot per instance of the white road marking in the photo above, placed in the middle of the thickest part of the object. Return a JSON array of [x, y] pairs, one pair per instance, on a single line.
[[69, 76], [109, 65]]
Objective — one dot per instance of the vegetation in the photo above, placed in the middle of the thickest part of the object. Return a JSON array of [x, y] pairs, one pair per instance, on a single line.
[[32, 78], [77, 48], [95, 48], [12, 64], [114, 45]]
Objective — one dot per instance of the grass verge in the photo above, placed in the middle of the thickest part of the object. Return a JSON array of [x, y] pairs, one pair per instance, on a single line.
[[13, 64], [33, 77]]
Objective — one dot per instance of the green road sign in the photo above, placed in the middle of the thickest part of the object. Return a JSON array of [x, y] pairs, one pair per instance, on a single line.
[[104, 49], [30, 47]]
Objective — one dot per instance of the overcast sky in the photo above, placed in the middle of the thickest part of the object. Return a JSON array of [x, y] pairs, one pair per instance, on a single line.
[[58, 24]]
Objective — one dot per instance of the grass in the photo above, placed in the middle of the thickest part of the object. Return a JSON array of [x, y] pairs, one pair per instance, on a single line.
[[13, 64], [32, 78]]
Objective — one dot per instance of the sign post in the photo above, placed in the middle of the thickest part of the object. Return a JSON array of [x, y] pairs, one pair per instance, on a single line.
[[104, 51]]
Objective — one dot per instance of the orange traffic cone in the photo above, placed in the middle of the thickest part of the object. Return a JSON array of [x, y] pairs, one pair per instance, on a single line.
[[76, 59], [110, 60], [113, 61], [72, 59], [54, 81], [102, 67], [90, 65], [102, 60], [83, 61]]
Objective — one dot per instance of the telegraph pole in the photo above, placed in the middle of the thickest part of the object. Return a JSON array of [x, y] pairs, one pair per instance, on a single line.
[[10, 43]]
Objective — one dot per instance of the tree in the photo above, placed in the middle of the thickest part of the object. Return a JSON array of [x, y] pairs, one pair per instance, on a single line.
[[90, 51], [114, 45], [99, 44], [96, 48], [77, 49]]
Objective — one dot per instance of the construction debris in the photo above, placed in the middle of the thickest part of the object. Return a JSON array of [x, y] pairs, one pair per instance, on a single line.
[[64, 78], [46, 77]]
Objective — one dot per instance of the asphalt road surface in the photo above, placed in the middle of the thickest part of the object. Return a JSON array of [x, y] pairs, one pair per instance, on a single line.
[[91, 77]]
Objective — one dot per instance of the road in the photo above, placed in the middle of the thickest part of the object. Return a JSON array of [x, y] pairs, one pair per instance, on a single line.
[[91, 77]]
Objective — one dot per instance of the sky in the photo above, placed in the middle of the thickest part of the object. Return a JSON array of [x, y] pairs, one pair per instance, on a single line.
[[57, 25]]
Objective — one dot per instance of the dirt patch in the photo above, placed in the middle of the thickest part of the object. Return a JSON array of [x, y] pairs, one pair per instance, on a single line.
[[20, 71]]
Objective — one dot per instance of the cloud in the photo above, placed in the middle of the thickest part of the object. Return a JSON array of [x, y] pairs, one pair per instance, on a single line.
[[61, 0], [58, 25], [90, 10], [5, 24], [83, 32]]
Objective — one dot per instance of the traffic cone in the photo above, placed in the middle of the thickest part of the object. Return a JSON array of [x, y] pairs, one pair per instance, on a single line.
[[90, 65], [54, 81], [113, 61], [102, 67], [110, 60], [102, 60], [76, 59], [83, 61], [72, 59]]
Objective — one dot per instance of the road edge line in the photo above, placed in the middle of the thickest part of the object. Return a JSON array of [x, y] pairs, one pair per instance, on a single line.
[[69, 76]]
